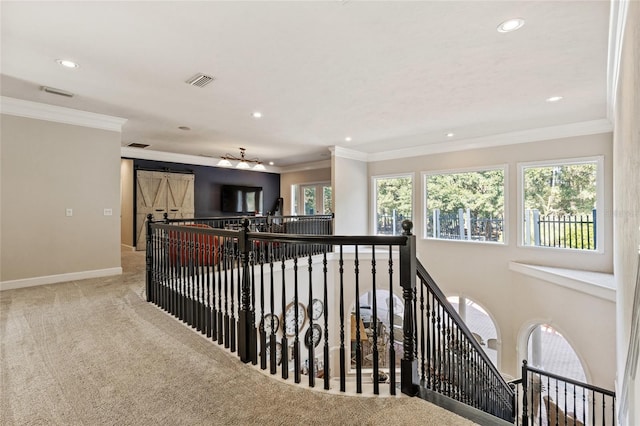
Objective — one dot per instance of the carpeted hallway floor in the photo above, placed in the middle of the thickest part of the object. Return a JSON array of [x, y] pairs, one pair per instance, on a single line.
[[94, 352]]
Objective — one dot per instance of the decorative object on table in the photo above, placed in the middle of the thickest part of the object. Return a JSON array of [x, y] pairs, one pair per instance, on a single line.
[[267, 323], [289, 318], [313, 335], [382, 377], [316, 309]]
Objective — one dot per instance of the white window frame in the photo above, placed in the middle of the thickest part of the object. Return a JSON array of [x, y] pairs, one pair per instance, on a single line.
[[298, 190], [599, 160], [374, 198], [505, 220]]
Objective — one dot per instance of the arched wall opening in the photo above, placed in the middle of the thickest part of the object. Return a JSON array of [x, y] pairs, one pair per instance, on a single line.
[[482, 325]]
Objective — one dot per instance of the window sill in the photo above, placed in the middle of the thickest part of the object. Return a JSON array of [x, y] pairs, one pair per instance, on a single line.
[[593, 283]]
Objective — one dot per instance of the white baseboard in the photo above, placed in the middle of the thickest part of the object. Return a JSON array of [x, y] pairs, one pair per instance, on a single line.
[[53, 279]]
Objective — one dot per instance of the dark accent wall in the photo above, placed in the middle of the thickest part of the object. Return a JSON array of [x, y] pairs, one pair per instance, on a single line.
[[209, 181]]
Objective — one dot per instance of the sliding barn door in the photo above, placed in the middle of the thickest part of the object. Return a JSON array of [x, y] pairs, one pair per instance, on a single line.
[[158, 193], [180, 196]]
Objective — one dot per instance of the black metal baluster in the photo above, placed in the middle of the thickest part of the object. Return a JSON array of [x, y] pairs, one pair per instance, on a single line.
[[219, 267], [422, 333], [343, 373], [296, 310], [214, 294], [575, 409], [234, 267], [392, 347], [557, 400], [326, 320], [227, 261], [376, 380], [184, 288], [285, 343], [449, 353], [191, 280], [253, 338], [311, 348], [263, 334], [584, 407], [439, 357], [593, 408], [197, 282], [428, 341], [273, 362], [358, 343], [207, 273]]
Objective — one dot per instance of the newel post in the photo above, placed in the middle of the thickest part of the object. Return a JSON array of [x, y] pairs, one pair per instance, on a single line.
[[408, 365], [149, 260], [245, 315]]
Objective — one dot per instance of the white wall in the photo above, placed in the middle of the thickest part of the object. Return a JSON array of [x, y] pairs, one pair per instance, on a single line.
[[298, 177], [627, 207], [48, 167], [481, 271], [350, 195], [126, 203]]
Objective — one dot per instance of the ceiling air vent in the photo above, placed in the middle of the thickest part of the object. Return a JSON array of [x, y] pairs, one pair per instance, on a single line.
[[55, 91], [138, 145], [200, 80]]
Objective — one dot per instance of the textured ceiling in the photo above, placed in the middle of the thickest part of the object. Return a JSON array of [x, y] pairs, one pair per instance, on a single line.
[[390, 75]]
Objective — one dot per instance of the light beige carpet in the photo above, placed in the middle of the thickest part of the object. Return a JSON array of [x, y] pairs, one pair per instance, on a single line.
[[94, 352]]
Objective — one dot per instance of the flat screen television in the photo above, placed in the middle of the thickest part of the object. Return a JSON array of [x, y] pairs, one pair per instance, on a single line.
[[241, 199]]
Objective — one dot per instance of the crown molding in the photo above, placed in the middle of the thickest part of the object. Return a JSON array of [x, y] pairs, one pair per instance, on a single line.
[[323, 164], [172, 157], [58, 114], [584, 128], [339, 151]]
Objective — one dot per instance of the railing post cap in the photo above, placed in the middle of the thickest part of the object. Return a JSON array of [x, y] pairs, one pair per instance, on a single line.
[[407, 226], [150, 217]]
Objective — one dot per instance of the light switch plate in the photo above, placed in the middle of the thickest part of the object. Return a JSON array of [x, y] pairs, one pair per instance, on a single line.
[[69, 212], [108, 212]]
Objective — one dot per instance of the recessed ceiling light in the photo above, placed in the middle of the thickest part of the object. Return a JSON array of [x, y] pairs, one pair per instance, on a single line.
[[510, 25], [348, 139], [271, 163], [554, 99], [450, 135], [67, 63], [184, 128], [257, 114]]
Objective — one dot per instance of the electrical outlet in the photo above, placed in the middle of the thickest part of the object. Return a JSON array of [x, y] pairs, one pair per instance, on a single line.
[[69, 212], [108, 212]]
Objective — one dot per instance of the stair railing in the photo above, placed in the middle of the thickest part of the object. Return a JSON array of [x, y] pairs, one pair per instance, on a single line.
[[547, 398], [451, 361], [246, 290]]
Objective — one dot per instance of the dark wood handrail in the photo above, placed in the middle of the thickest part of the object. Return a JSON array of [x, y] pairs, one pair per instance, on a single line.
[[372, 240], [570, 381]]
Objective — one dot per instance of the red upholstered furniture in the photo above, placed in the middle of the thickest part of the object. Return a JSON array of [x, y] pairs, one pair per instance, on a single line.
[[199, 249]]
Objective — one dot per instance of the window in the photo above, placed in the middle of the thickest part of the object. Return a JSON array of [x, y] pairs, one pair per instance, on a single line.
[[465, 206], [559, 202], [308, 199], [393, 203]]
